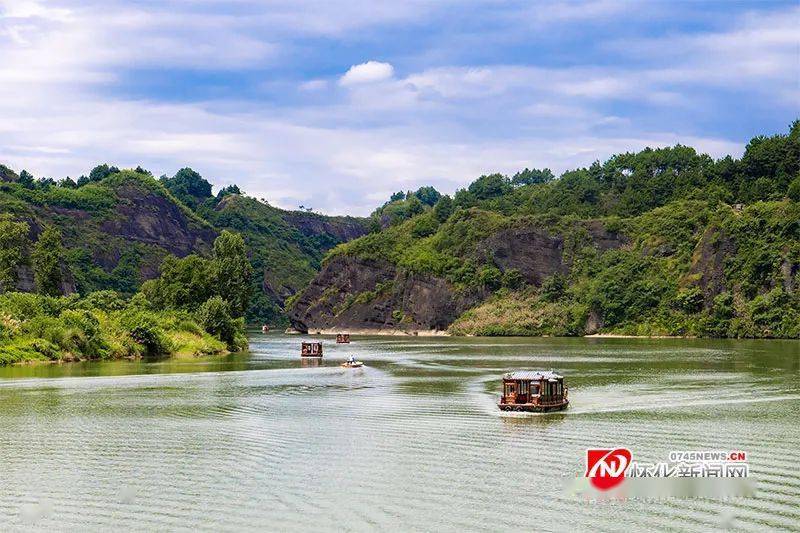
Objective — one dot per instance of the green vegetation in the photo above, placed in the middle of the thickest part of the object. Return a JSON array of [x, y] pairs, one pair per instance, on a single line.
[[188, 310], [36, 327], [46, 258], [117, 227], [711, 248], [13, 241], [286, 248]]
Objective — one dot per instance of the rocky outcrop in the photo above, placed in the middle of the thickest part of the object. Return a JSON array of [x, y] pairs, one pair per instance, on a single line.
[[708, 263], [538, 254], [146, 217], [363, 294], [355, 293], [342, 229]]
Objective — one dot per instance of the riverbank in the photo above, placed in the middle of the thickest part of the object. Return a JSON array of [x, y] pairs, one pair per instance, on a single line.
[[444, 333], [36, 329], [622, 336], [385, 332]]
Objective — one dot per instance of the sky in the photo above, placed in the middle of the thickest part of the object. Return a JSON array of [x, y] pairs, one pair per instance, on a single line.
[[336, 104]]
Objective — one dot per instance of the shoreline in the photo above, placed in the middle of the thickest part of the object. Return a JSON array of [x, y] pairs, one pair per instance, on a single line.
[[623, 336], [381, 332], [386, 332]]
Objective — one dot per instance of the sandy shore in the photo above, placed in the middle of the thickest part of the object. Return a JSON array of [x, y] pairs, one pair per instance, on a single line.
[[440, 333], [387, 332]]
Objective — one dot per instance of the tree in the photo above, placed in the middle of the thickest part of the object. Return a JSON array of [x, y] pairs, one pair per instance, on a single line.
[[554, 288], [47, 253], [532, 177], [26, 179], [399, 195], [68, 183], [188, 186], [101, 172], [428, 195], [13, 240], [184, 283], [214, 315], [443, 208], [490, 186], [232, 271], [230, 189]]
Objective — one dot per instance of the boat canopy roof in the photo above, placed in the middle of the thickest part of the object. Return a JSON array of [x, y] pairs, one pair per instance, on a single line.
[[532, 375]]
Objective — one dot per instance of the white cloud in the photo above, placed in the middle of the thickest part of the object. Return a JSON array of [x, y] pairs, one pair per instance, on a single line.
[[369, 72], [335, 149], [314, 85]]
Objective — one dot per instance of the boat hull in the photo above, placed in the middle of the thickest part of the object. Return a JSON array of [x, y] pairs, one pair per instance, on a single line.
[[532, 407], [357, 364]]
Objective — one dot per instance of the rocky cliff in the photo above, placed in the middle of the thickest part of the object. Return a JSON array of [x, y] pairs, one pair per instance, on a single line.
[[117, 231], [357, 293], [121, 228]]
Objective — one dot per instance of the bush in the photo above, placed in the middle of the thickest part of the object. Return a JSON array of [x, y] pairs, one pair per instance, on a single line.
[[214, 315], [794, 189], [144, 330], [689, 300], [554, 288], [106, 300]]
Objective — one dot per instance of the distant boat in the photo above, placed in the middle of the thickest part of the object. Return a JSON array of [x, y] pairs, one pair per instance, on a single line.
[[311, 349], [352, 364], [533, 390], [343, 338], [265, 329]]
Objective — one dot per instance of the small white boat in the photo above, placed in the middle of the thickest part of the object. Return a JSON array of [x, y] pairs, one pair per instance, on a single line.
[[352, 364]]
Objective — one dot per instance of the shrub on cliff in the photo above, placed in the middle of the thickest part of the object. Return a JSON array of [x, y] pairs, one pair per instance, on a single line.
[[46, 257]]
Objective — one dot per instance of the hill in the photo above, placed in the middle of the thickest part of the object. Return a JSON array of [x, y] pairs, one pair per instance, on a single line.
[[119, 225], [664, 241]]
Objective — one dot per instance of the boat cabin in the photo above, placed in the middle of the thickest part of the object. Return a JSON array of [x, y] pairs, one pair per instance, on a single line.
[[533, 390], [311, 349], [343, 338]]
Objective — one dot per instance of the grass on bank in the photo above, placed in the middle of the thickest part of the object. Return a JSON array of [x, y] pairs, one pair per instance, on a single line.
[[101, 326]]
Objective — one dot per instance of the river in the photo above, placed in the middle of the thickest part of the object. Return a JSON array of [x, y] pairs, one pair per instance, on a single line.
[[413, 441]]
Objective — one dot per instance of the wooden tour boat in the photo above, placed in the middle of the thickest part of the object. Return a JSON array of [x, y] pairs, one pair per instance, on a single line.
[[311, 349], [533, 390], [343, 338]]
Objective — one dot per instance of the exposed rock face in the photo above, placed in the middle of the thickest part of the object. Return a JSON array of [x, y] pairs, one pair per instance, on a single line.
[[360, 294], [537, 254], [533, 252], [355, 293], [342, 229], [708, 262], [145, 217], [140, 216]]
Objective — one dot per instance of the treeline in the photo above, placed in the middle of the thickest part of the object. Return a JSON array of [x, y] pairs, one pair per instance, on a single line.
[[713, 246], [625, 185]]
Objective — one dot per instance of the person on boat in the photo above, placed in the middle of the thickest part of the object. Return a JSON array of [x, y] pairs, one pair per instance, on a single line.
[[351, 360]]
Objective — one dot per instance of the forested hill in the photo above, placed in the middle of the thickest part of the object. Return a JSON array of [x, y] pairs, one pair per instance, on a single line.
[[117, 226], [663, 241]]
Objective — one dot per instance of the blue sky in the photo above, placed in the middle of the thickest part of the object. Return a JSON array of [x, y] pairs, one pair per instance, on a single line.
[[335, 104]]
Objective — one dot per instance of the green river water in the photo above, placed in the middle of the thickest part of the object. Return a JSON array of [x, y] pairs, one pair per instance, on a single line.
[[411, 442]]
